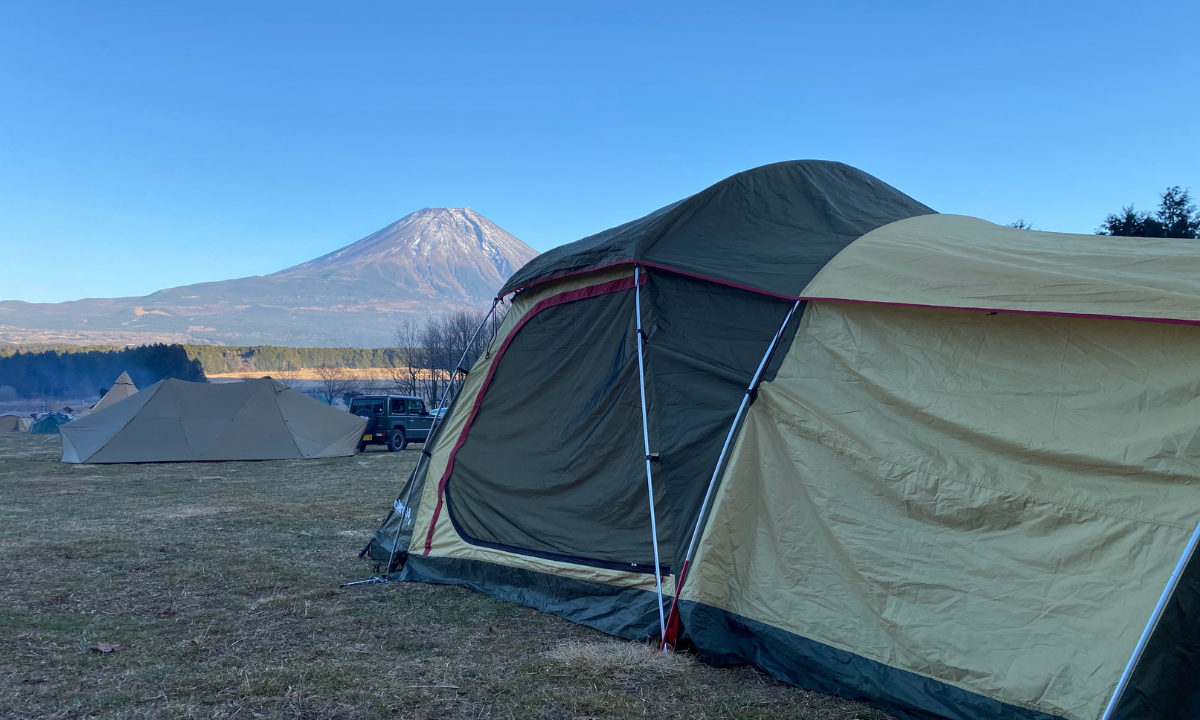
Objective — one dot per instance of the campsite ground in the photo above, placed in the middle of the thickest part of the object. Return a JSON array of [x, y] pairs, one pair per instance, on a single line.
[[219, 582]]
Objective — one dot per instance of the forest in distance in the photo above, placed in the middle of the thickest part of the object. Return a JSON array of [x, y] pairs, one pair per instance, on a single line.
[[432, 349]]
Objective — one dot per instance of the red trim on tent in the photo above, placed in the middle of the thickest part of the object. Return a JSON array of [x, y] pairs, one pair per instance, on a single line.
[[566, 297], [672, 635], [739, 286], [657, 266], [1092, 316]]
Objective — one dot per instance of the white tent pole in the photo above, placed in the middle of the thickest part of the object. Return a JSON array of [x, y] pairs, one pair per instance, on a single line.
[[437, 421], [637, 290], [762, 364], [1150, 626]]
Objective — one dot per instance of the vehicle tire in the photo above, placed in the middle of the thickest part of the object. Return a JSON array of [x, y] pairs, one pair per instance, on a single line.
[[397, 441], [370, 418]]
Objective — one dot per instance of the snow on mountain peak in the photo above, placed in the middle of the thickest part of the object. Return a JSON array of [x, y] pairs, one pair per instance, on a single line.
[[436, 251]]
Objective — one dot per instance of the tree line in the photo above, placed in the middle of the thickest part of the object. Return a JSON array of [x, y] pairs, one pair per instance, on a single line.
[[422, 363], [34, 372], [218, 359], [1176, 217]]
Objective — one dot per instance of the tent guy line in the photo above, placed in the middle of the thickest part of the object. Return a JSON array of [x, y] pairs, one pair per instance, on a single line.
[[437, 421]]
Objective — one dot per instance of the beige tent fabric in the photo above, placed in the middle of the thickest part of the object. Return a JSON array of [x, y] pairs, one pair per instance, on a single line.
[[178, 421], [120, 390], [992, 501], [963, 262], [15, 423]]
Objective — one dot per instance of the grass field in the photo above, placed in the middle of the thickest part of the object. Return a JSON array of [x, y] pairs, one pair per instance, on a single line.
[[219, 583]]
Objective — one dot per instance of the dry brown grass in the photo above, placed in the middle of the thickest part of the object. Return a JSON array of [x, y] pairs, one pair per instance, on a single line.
[[220, 582]]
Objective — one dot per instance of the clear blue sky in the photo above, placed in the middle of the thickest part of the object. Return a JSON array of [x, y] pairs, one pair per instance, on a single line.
[[150, 145]]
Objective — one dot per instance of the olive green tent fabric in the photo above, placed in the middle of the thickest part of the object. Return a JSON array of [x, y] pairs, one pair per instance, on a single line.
[[121, 389], [553, 462], [420, 510], [704, 343], [179, 421], [15, 423], [770, 229], [965, 262], [994, 502]]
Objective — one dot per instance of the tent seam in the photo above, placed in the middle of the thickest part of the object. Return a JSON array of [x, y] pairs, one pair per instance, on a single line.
[[814, 298], [1042, 313], [291, 436], [656, 266], [123, 425]]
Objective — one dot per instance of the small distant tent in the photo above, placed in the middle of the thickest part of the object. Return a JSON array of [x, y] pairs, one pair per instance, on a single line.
[[180, 421], [15, 422], [121, 389], [49, 423]]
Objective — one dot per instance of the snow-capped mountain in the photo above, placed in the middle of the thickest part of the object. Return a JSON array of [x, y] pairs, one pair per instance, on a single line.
[[432, 261], [452, 252]]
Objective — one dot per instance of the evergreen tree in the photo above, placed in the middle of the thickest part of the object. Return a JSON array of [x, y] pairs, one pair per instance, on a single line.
[[1176, 217], [1177, 214]]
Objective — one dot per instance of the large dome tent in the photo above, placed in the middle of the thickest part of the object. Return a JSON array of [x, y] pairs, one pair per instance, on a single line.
[[943, 466]]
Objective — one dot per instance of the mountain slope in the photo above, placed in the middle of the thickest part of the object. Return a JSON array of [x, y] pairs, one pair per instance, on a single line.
[[455, 253], [432, 261]]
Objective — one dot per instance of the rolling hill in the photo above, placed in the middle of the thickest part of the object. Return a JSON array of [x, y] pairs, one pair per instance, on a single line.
[[432, 261]]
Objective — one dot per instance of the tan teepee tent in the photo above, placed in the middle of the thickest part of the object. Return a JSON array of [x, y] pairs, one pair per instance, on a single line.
[[179, 421], [121, 389]]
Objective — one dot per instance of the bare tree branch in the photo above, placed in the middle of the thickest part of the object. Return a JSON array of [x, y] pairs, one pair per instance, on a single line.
[[404, 362], [335, 382], [288, 375]]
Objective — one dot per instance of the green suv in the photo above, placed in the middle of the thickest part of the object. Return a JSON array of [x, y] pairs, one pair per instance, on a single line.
[[394, 420]]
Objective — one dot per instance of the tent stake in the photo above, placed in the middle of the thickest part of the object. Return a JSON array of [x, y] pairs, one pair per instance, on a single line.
[[673, 616], [425, 452], [1169, 590], [637, 290], [369, 581]]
